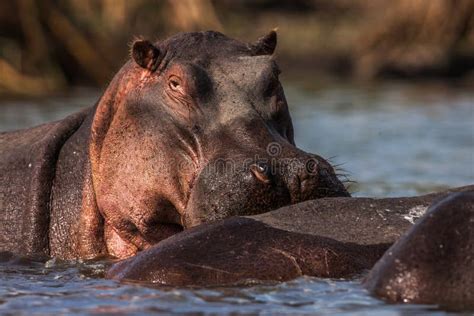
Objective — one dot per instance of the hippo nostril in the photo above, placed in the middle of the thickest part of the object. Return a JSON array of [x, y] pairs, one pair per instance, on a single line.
[[305, 185], [261, 172]]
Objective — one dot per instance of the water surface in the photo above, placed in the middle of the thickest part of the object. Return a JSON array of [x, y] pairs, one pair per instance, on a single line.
[[393, 140]]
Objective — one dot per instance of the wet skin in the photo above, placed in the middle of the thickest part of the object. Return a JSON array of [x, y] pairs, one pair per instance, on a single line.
[[195, 116], [329, 237], [433, 263]]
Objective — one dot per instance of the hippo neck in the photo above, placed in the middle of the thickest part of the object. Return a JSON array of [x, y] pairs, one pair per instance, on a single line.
[[28, 169], [76, 228], [115, 94]]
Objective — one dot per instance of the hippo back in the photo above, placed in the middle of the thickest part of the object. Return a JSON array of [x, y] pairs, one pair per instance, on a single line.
[[27, 168]]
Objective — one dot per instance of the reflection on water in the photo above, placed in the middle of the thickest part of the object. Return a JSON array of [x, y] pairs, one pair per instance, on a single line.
[[392, 140]]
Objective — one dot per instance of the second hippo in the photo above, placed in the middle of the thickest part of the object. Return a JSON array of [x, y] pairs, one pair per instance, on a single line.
[[330, 237]]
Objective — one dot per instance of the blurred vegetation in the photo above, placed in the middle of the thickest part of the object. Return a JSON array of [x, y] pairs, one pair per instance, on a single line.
[[50, 45]]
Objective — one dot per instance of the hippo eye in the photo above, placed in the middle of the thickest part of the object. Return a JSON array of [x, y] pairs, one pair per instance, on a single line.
[[261, 172], [175, 83]]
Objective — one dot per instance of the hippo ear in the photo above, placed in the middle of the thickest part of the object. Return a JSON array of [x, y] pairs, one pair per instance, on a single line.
[[266, 44], [146, 55]]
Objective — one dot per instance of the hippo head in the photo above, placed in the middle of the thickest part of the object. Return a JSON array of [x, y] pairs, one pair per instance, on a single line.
[[192, 129]]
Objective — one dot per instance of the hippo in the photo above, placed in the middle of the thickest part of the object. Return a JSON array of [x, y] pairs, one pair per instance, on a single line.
[[196, 115], [339, 237], [433, 263]]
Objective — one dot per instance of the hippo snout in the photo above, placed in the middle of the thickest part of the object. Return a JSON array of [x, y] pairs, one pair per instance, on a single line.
[[246, 187], [311, 177]]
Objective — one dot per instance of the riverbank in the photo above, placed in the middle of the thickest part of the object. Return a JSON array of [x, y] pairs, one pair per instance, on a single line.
[[49, 46]]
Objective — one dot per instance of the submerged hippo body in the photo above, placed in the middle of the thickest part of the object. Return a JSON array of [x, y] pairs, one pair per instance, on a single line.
[[433, 263], [183, 120], [331, 237]]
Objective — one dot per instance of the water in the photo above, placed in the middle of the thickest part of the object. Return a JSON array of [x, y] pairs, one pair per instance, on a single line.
[[394, 140]]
